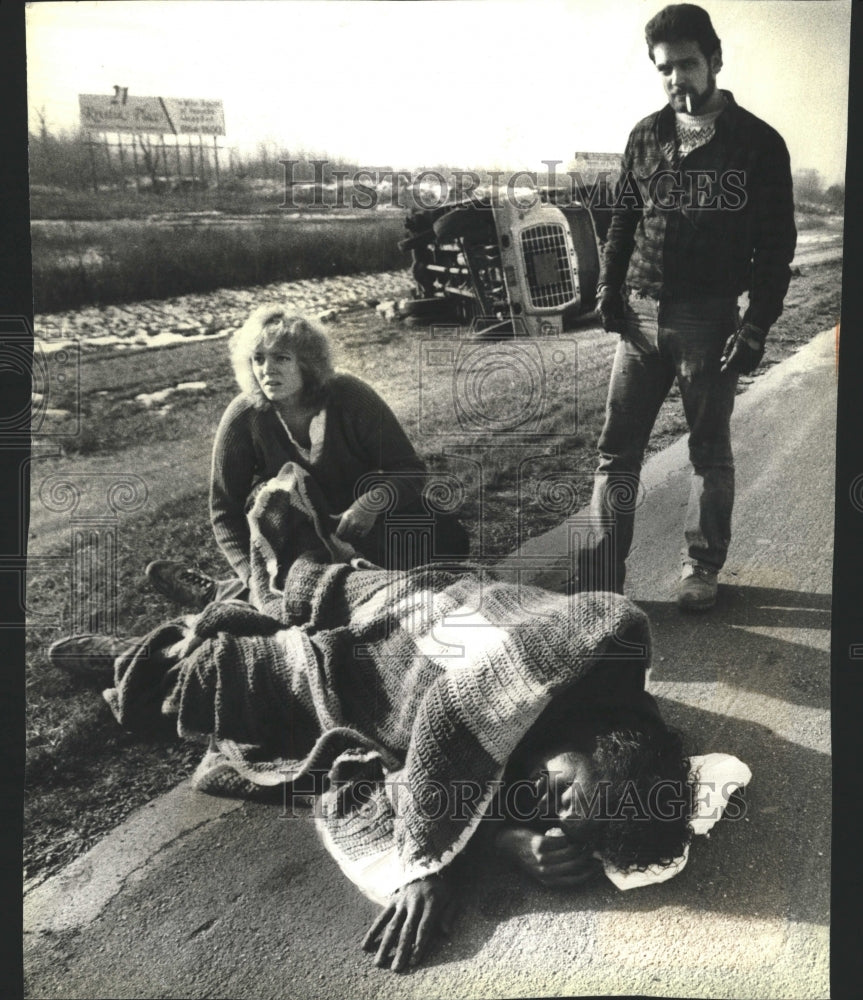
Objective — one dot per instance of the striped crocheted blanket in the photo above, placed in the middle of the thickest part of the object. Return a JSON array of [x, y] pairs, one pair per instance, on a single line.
[[409, 689]]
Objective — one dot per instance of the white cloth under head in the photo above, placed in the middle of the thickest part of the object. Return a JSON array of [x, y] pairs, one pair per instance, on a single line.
[[718, 776]]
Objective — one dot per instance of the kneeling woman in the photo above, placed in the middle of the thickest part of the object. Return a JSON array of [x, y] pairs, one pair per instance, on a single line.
[[293, 407]]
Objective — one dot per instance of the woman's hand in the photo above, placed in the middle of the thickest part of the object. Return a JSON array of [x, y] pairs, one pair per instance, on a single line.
[[411, 921], [550, 858], [356, 522]]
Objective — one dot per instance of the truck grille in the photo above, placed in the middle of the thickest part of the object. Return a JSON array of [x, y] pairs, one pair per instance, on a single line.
[[547, 265]]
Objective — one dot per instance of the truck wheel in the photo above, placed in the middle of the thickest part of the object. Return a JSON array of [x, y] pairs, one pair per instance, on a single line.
[[433, 308], [420, 219], [415, 242], [469, 223], [423, 277]]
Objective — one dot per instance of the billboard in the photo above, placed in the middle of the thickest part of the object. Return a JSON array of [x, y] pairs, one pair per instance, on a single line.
[[165, 115], [101, 113]]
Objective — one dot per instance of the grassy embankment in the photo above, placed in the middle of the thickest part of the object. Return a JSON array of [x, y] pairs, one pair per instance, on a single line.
[[232, 198], [128, 260], [84, 774], [127, 246]]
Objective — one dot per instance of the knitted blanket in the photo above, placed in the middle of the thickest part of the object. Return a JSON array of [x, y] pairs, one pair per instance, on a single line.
[[409, 689]]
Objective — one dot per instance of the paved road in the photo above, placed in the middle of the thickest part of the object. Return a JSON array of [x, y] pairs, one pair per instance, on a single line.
[[197, 897]]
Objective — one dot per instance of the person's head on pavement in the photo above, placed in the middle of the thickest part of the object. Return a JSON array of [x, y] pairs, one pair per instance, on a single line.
[[621, 792]]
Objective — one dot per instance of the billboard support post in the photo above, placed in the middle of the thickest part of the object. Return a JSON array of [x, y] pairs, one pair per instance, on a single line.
[[135, 163], [90, 146], [122, 153], [108, 157], [201, 157]]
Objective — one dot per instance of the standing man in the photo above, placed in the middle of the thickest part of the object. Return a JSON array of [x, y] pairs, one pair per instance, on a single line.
[[703, 211]]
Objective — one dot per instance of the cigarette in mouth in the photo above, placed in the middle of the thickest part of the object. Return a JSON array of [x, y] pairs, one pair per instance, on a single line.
[[689, 104]]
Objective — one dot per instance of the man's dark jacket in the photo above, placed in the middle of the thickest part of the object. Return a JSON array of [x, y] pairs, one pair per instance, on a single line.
[[716, 222]]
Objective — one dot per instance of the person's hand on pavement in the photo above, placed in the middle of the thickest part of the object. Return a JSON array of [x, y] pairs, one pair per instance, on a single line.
[[744, 350], [549, 858], [410, 923]]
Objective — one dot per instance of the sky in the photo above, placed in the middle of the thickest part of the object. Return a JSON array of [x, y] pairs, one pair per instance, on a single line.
[[493, 83]]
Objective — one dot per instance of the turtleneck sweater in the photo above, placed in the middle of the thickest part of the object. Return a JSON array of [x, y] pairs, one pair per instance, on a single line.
[[697, 130]]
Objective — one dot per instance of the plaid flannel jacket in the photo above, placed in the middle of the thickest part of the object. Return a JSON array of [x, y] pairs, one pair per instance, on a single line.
[[716, 222]]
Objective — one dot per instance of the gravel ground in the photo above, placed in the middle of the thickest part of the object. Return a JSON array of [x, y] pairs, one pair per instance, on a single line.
[[189, 317], [155, 323]]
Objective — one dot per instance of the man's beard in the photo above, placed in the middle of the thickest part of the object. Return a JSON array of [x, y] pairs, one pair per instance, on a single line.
[[699, 100]]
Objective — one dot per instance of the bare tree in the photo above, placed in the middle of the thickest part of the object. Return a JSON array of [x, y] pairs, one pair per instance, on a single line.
[[808, 185]]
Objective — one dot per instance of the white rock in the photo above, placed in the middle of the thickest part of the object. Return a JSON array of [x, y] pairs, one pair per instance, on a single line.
[[149, 399], [387, 310]]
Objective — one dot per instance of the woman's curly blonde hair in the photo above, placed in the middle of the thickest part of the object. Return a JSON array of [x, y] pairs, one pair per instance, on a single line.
[[269, 325]]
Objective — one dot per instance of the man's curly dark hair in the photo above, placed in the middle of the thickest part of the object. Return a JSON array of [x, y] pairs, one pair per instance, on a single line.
[[647, 794], [683, 22], [644, 796]]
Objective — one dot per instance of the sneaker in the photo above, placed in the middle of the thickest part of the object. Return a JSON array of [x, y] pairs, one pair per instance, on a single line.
[[90, 655], [183, 585], [697, 588]]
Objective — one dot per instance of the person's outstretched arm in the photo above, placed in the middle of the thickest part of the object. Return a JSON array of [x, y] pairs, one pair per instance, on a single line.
[[417, 914]]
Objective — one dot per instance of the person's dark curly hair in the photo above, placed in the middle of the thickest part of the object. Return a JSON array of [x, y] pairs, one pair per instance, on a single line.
[[644, 796], [648, 794], [682, 22]]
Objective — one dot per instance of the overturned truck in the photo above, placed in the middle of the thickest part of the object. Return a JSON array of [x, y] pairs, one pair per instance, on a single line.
[[513, 266]]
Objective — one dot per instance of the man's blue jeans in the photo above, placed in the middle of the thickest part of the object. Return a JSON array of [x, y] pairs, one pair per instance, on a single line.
[[665, 340]]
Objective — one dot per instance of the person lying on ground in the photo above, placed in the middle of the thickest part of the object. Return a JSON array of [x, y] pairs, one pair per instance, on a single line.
[[598, 784], [293, 407], [430, 702]]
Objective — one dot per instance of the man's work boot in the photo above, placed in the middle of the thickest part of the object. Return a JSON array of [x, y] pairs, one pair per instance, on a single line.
[[179, 583], [697, 588]]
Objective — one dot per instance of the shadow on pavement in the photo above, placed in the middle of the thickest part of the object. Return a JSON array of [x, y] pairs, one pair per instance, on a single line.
[[732, 643], [280, 912], [771, 863]]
